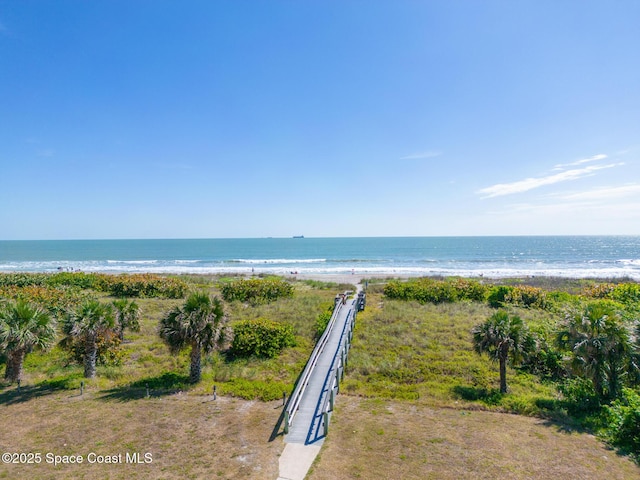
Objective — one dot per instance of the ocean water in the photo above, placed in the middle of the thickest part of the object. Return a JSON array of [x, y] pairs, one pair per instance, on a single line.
[[564, 256]]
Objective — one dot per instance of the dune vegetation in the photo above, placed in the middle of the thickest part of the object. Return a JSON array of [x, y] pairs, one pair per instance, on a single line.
[[414, 350]]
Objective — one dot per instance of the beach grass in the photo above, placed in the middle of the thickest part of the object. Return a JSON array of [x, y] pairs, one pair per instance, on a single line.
[[407, 350], [146, 359], [414, 390]]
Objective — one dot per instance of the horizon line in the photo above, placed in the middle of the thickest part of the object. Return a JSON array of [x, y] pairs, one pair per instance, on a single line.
[[294, 237]]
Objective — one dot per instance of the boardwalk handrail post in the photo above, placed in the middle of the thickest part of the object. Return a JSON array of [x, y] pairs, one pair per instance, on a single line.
[[286, 422], [325, 416], [296, 395]]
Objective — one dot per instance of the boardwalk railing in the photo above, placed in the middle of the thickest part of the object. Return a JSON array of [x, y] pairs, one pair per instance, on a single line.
[[296, 396], [338, 366]]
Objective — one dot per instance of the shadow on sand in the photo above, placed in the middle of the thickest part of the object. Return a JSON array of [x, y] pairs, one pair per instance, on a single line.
[[166, 384], [10, 395]]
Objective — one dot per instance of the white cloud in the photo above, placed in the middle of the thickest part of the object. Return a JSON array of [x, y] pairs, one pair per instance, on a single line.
[[531, 183], [594, 158], [603, 193], [416, 156], [561, 212]]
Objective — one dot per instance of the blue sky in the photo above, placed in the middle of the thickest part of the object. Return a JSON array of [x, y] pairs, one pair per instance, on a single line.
[[166, 119]]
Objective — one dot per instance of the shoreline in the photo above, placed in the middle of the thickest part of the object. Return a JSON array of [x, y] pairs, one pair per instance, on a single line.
[[358, 278]]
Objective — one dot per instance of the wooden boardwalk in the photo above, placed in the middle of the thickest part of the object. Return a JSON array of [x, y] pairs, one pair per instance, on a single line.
[[312, 409]]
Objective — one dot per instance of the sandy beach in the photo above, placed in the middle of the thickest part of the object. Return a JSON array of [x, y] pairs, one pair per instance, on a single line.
[[354, 279]]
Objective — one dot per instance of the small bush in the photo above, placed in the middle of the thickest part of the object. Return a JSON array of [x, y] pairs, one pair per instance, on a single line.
[[498, 295], [423, 290], [601, 290], [470, 290], [109, 350], [547, 363], [623, 423], [142, 285], [256, 290], [55, 300], [81, 280], [580, 398], [626, 293], [261, 337], [23, 279], [521, 296], [323, 318], [427, 290]]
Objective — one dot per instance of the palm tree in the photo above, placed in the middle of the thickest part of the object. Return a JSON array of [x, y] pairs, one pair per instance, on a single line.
[[87, 324], [23, 327], [200, 323], [127, 316], [504, 337], [600, 345]]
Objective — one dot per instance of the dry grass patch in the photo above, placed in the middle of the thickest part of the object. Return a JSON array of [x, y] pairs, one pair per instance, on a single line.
[[372, 438], [188, 436]]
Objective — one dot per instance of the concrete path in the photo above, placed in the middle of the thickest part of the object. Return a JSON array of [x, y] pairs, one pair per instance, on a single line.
[[296, 459]]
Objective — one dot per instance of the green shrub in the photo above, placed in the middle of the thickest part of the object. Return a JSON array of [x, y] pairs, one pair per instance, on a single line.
[[109, 350], [520, 296], [55, 300], [256, 290], [396, 290], [76, 279], [470, 290], [427, 290], [626, 293], [23, 279], [559, 300], [124, 285], [601, 290], [423, 290], [261, 337], [546, 362], [623, 422], [142, 285], [498, 295], [580, 398], [323, 318]]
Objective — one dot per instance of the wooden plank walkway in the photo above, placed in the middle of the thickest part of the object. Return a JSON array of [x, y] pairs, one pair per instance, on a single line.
[[308, 427]]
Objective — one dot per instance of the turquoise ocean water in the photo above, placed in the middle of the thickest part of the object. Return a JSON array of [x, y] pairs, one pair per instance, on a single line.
[[567, 256]]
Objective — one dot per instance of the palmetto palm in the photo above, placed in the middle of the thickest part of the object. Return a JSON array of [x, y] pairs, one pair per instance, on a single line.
[[87, 323], [503, 337], [127, 316], [600, 346], [200, 323], [23, 327]]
